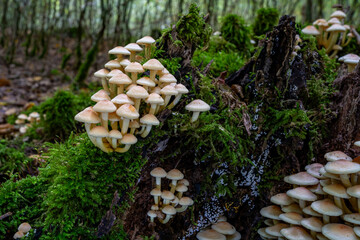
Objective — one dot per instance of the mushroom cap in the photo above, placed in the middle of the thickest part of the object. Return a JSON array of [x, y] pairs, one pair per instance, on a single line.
[[134, 124], [151, 213], [294, 207], [155, 192], [18, 235], [154, 98], [127, 111], [334, 21], [312, 223], [197, 106], [119, 51], [337, 190], [186, 201], [169, 210], [122, 99], [158, 172], [342, 167], [302, 193], [22, 117], [275, 229], [302, 178], [315, 172], [272, 212], [24, 227], [88, 115], [101, 73], [351, 61], [184, 181], [352, 218], [114, 72], [167, 195], [337, 47], [354, 191], [210, 234], [154, 207], [146, 81], [115, 134], [326, 174], [137, 92], [351, 56], [317, 189], [262, 233], [281, 199], [174, 174], [310, 30], [100, 95], [99, 131], [168, 90], [125, 62], [326, 207], [309, 211], [167, 78], [291, 217], [104, 106], [181, 188], [134, 67], [357, 143], [313, 165], [336, 28], [34, 115], [156, 89], [318, 21], [337, 155], [223, 228], [235, 236], [112, 64], [128, 139], [181, 88], [153, 64], [133, 47], [120, 79], [336, 231], [145, 40], [338, 14], [113, 117], [295, 233], [149, 119]]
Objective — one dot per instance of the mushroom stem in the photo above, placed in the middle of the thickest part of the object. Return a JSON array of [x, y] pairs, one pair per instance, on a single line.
[[132, 130], [326, 219], [147, 131], [347, 42], [147, 51], [114, 125], [132, 56], [344, 207], [166, 100], [88, 128], [104, 84], [173, 186], [156, 200], [345, 180], [124, 149], [332, 41], [142, 129], [120, 89], [333, 55], [195, 116], [125, 126], [104, 120], [101, 145], [114, 143], [179, 195], [176, 100], [313, 234], [351, 67], [181, 209], [166, 220], [137, 104], [134, 76], [112, 90], [302, 204], [158, 183], [153, 108], [153, 76]]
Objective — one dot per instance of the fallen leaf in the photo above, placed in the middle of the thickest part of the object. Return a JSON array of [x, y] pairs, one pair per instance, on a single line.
[[4, 82]]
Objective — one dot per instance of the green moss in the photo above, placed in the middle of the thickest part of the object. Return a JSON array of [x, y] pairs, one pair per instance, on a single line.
[[234, 30], [265, 20]]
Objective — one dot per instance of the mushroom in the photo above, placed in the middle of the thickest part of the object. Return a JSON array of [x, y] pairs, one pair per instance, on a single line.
[[33, 116], [146, 83], [262, 233], [313, 224], [181, 89], [127, 112], [168, 91], [174, 175], [291, 218], [120, 81], [339, 231], [127, 140], [338, 14], [351, 63], [134, 68], [114, 135], [18, 235], [158, 173], [156, 193], [274, 230], [154, 100], [114, 119], [235, 236], [311, 212], [353, 218], [294, 207], [149, 120], [354, 191], [295, 233], [104, 107], [302, 194], [196, 107], [102, 74], [169, 211], [185, 202], [146, 41], [181, 188], [133, 48], [343, 168], [184, 181], [166, 79], [281, 199], [112, 64], [167, 196], [154, 66], [122, 99], [119, 52], [334, 31], [273, 212], [133, 125], [124, 63], [100, 95], [302, 179], [138, 93], [152, 214], [99, 132], [338, 191], [88, 116], [223, 228], [24, 227], [210, 234], [327, 208]]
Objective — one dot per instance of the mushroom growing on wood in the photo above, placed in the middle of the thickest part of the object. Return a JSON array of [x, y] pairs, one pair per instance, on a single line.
[[104, 107], [185, 202], [146, 41], [181, 89], [99, 132], [154, 100], [169, 211], [138, 93], [114, 135], [127, 140], [154, 66], [127, 112], [133, 48], [149, 120], [174, 175], [134, 68], [100, 95], [119, 52], [158, 173], [120, 81], [196, 107]]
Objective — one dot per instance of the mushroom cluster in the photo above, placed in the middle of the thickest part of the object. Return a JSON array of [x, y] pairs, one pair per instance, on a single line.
[[333, 34], [131, 97], [22, 230], [323, 204], [26, 121], [221, 230], [166, 202]]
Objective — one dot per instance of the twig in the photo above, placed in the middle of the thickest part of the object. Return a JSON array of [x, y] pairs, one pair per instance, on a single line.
[[8, 214]]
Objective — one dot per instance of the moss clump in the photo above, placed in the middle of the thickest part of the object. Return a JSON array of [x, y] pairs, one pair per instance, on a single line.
[[266, 19], [235, 31]]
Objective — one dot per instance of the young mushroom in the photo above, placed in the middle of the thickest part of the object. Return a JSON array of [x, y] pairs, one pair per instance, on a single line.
[[133, 48], [114, 135], [134, 68], [154, 66], [158, 173], [119, 52], [120, 81], [127, 112], [210, 234], [154, 100], [99, 132], [196, 107], [149, 120], [24, 227], [185, 202], [18, 235], [181, 89], [127, 140], [174, 175], [88, 116], [146, 41], [152, 214], [102, 74], [104, 107], [100, 95], [169, 211], [167, 92], [138, 93], [156, 193]]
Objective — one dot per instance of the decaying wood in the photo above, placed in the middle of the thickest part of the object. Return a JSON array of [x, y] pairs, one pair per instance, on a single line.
[[8, 214]]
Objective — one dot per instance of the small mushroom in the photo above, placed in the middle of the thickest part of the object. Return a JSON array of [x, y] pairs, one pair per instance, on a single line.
[[18, 235], [99, 132], [133, 125], [119, 52], [127, 140], [146, 83], [185, 202], [210, 234], [104, 107], [149, 120], [102, 74], [24, 227], [88, 116], [154, 66], [133, 48], [127, 112], [181, 89], [114, 135], [167, 196], [138, 93], [134, 68], [122, 99], [146, 41], [167, 92], [100, 95], [223, 227], [327, 208], [33, 116], [156, 193], [158, 173], [174, 175], [181, 188], [196, 107], [152, 214], [120, 81], [169, 211]]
